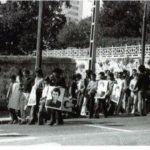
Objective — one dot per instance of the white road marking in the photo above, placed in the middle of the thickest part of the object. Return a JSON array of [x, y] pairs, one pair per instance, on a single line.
[[45, 144], [108, 128], [5, 134], [17, 139], [141, 130]]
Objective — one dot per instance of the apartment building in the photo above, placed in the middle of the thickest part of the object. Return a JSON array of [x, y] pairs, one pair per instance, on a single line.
[[75, 12]]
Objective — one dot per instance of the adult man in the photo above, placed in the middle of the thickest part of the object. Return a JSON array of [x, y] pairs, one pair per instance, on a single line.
[[26, 89], [143, 87]]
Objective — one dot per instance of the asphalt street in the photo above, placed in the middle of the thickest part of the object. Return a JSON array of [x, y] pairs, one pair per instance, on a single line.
[[114, 131]]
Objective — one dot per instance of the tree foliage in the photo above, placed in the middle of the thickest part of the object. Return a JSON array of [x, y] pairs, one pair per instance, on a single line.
[[119, 23], [121, 18], [75, 35], [18, 25]]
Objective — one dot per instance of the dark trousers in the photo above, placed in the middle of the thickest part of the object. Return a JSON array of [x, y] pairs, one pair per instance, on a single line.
[[56, 116], [13, 114], [101, 105], [34, 109], [90, 105], [43, 114]]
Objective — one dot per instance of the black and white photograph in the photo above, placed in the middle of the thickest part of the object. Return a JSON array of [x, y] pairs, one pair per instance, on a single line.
[[74, 73]]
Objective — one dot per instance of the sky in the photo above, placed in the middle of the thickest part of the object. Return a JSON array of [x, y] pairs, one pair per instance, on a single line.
[[87, 7]]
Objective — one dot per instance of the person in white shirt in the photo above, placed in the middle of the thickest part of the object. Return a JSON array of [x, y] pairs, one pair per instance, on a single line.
[[36, 93], [134, 93]]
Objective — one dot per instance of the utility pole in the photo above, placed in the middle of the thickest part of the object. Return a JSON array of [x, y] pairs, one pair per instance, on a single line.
[[39, 38], [93, 38], [144, 32]]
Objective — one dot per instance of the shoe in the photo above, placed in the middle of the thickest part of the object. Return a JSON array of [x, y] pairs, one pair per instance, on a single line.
[[58, 124], [15, 121], [40, 123], [11, 122], [51, 123], [144, 114], [23, 122], [31, 122]]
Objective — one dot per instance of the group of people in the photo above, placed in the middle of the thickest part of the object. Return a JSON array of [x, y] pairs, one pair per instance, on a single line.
[[27, 95], [88, 96]]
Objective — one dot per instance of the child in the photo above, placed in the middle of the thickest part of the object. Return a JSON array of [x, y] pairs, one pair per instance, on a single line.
[[13, 96]]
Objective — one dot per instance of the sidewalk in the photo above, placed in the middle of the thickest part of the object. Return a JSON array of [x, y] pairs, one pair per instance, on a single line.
[[4, 117]]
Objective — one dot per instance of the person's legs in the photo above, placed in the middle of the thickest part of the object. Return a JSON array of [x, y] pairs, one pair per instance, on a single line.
[[104, 107], [33, 114], [13, 115], [140, 99], [41, 113], [53, 117], [59, 118], [97, 108], [91, 105], [135, 101], [22, 111]]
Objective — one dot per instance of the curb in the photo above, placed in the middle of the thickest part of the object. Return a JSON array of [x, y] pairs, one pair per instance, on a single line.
[[5, 121]]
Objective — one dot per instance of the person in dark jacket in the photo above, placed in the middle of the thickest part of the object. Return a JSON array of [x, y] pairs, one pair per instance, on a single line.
[[143, 87]]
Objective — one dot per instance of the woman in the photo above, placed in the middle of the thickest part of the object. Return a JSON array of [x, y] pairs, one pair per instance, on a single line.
[[35, 95], [13, 96]]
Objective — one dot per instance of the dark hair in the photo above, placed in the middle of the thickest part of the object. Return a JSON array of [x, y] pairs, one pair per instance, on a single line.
[[56, 90], [47, 79], [88, 72], [39, 71], [142, 68], [102, 74], [13, 77], [26, 71], [78, 76], [111, 75], [19, 72]]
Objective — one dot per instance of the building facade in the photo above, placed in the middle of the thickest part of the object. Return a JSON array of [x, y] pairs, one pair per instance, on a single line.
[[75, 12]]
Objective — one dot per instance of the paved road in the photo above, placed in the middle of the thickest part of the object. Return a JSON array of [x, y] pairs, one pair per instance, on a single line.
[[102, 131]]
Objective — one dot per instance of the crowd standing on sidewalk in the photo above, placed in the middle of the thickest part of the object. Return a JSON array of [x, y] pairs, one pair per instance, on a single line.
[[108, 93]]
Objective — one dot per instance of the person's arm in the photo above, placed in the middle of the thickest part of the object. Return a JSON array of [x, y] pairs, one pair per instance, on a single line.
[[9, 92]]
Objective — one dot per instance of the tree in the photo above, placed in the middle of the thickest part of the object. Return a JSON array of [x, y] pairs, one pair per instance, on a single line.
[[75, 35], [119, 23], [18, 26]]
